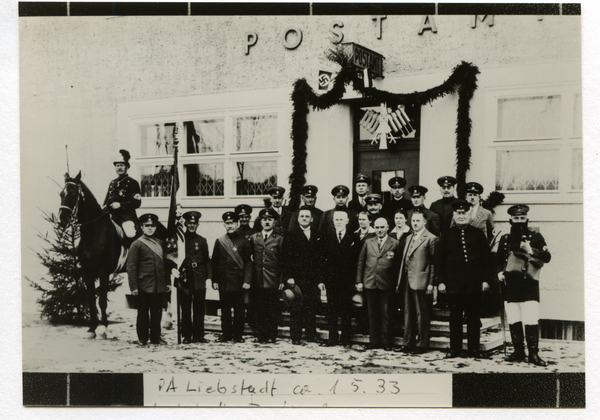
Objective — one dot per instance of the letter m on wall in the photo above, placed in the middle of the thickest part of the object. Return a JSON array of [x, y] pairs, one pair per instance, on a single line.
[[489, 19]]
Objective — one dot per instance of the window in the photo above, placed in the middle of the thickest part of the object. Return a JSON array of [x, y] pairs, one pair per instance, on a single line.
[[536, 139], [225, 155]]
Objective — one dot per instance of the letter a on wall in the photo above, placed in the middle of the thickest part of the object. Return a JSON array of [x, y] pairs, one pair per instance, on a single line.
[[427, 23]]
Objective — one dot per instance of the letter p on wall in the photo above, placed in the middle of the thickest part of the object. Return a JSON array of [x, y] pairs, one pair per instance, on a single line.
[[250, 41]]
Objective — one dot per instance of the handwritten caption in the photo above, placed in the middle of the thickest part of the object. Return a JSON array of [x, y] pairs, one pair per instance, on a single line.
[[302, 390]]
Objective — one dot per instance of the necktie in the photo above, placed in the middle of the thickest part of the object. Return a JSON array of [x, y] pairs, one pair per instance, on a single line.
[[339, 236], [266, 236], [380, 243]]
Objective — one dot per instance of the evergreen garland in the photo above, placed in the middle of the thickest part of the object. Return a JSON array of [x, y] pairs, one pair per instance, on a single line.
[[462, 80]]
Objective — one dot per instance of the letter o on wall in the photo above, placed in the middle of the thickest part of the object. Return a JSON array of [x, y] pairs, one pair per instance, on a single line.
[[294, 44]]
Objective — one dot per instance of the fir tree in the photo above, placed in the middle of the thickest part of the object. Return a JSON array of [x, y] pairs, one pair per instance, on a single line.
[[64, 301]]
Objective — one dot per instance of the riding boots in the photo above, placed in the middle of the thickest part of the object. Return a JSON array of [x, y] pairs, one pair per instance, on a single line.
[[516, 334], [532, 335]]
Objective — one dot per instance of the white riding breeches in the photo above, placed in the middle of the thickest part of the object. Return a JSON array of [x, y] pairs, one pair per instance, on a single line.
[[526, 312], [129, 228]]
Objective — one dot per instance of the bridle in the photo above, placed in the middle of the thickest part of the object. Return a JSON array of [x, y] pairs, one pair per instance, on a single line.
[[75, 210]]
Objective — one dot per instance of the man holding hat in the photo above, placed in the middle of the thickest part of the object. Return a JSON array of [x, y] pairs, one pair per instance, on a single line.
[[340, 197], [464, 270], [417, 197], [521, 255], [480, 218], [443, 206], [397, 185], [377, 275], [244, 211], [266, 280], [191, 289], [284, 215], [308, 194], [300, 269], [123, 197], [232, 275], [361, 187], [148, 279]]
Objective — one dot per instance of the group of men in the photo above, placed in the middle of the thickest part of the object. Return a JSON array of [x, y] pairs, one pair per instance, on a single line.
[[359, 253]]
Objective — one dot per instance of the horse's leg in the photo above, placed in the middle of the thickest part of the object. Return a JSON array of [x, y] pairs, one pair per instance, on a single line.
[[90, 284], [103, 301]]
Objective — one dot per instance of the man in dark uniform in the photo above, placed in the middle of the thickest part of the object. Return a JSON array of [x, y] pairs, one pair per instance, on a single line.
[[340, 197], [300, 268], [191, 289], [361, 188], [480, 218], [282, 222], [374, 206], [521, 255], [463, 263], [443, 206], [149, 279], [308, 194], [123, 197], [266, 279], [417, 196], [397, 185], [338, 252], [244, 212], [232, 275]]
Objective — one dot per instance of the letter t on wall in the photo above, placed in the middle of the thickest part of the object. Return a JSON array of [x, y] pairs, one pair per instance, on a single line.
[[251, 38], [378, 20]]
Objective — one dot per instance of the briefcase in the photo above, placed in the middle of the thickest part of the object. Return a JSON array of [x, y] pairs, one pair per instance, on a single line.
[[523, 263]]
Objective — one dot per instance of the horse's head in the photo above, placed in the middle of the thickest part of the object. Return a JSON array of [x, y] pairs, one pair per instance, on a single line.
[[69, 199]]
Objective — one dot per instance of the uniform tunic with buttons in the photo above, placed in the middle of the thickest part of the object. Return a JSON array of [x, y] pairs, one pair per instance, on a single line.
[[521, 287], [125, 191], [198, 264], [267, 270], [463, 260]]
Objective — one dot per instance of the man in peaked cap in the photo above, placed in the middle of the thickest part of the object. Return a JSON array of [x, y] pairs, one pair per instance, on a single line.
[[361, 188], [282, 222], [244, 212], [123, 197], [374, 206], [149, 278], [463, 263], [267, 278], [308, 195], [232, 274], [397, 186], [480, 218], [191, 288], [417, 196], [340, 198], [520, 257], [443, 206]]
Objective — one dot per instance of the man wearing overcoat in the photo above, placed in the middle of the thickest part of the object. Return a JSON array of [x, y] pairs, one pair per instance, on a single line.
[[361, 188], [443, 206]]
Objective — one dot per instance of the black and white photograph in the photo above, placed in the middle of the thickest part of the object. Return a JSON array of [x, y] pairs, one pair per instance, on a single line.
[[364, 204]]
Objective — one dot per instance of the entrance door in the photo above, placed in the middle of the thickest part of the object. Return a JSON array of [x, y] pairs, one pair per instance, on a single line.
[[399, 159]]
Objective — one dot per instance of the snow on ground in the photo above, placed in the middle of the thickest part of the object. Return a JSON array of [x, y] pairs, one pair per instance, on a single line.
[[48, 348]]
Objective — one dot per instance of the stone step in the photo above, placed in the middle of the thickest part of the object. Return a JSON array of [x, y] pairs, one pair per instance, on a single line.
[[490, 338]]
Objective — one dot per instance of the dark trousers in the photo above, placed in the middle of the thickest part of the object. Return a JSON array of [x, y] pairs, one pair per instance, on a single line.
[[192, 313], [380, 304], [232, 327], [304, 316], [338, 305], [148, 316], [470, 305], [266, 311], [417, 317]]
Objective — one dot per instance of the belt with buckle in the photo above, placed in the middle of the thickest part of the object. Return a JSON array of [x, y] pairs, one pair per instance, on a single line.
[[194, 264]]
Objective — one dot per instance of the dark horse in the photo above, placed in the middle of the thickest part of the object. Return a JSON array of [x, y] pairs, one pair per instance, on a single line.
[[99, 248]]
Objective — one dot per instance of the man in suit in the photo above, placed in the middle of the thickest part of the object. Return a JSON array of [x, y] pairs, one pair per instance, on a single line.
[[340, 197], [377, 274], [338, 252], [308, 195], [417, 196], [300, 268], [191, 287], [361, 188], [232, 275], [284, 215], [244, 212], [397, 186], [266, 281], [521, 255], [123, 197], [480, 218], [443, 206], [464, 268], [148, 279], [416, 281]]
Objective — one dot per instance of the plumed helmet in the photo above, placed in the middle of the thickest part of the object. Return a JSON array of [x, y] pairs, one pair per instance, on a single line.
[[122, 157]]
